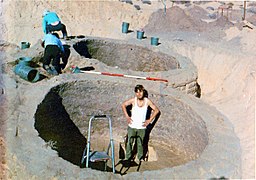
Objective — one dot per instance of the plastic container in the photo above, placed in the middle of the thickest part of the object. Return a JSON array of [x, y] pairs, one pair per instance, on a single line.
[[154, 41], [25, 45], [125, 27], [25, 61], [140, 34], [27, 73], [76, 70]]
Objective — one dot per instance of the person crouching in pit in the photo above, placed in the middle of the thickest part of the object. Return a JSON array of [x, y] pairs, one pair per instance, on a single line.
[[52, 53]]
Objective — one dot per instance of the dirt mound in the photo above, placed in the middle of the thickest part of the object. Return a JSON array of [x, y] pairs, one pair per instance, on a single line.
[[197, 13], [177, 19], [174, 19], [252, 19], [222, 23]]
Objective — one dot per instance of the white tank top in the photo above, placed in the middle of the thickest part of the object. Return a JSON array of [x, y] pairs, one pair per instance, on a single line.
[[139, 114]]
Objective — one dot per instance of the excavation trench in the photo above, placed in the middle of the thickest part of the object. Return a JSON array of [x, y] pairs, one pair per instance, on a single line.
[[179, 135], [126, 56], [118, 57]]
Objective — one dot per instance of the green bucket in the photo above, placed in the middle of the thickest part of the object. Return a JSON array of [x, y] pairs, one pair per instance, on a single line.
[[27, 73], [140, 34], [154, 41], [25, 61], [24, 45], [125, 27]]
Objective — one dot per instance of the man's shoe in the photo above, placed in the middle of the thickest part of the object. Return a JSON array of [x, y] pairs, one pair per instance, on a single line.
[[48, 69], [54, 71]]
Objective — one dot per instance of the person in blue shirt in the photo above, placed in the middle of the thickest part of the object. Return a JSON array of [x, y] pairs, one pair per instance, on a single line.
[[52, 53], [51, 22]]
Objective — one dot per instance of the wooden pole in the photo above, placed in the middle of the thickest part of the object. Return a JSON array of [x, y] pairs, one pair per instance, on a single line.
[[244, 10]]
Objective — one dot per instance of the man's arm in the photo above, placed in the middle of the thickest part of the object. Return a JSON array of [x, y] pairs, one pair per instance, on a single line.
[[155, 112], [44, 23], [124, 105]]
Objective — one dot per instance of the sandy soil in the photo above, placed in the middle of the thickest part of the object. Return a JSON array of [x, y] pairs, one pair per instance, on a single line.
[[223, 51]]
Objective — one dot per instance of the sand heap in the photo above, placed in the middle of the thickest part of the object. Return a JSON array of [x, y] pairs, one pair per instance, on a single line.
[[176, 19]]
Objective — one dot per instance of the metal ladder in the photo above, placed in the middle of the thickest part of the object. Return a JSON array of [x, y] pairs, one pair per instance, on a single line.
[[97, 156]]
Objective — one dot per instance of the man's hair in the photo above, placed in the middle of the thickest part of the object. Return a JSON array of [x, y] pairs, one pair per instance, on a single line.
[[139, 88]]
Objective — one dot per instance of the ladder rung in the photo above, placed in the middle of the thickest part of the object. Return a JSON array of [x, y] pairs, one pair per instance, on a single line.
[[99, 156]]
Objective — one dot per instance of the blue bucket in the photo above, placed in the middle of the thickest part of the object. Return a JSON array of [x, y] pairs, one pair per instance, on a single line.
[[140, 34], [25, 61], [76, 70], [27, 73], [154, 41], [125, 27], [24, 45]]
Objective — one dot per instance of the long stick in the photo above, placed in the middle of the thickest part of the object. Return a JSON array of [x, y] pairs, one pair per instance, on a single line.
[[244, 10]]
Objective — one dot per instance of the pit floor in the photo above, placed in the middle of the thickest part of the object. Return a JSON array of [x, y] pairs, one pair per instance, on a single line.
[[159, 157]]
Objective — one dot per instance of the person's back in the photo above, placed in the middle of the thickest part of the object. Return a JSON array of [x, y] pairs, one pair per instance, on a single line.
[[52, 39], [49, 18], [51, 22], [52, 53]]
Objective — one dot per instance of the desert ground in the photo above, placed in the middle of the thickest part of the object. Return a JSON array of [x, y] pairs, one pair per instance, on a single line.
[[210, 136]]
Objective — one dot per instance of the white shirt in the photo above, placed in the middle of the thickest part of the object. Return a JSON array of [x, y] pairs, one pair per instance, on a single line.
[[139, 115]]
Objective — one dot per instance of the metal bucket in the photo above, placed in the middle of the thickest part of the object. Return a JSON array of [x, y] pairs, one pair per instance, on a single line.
[[125, 27], [25, 61], [140, 34], [27, 73], [154, 41], [24, 45]]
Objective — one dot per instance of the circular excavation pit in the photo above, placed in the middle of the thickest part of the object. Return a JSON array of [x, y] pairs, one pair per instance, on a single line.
[[119, 57], [176, 137], [126, 56]]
